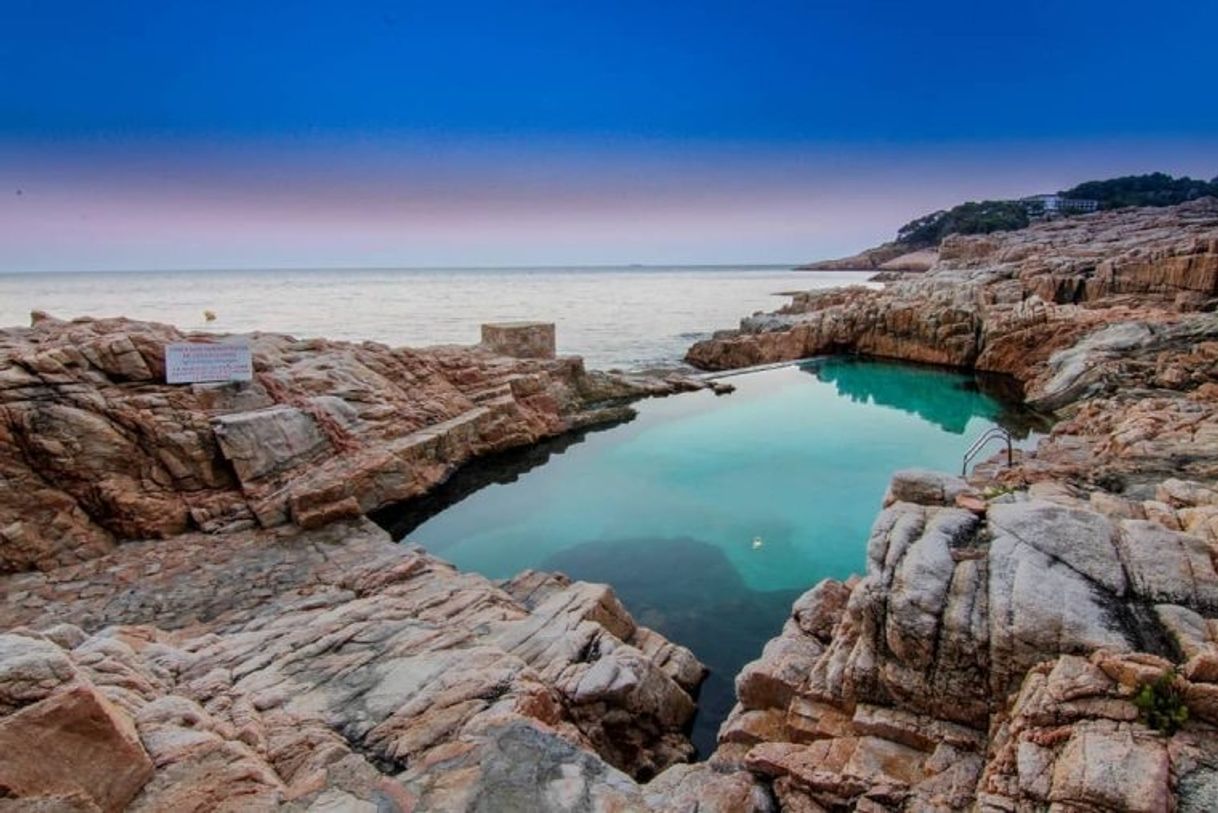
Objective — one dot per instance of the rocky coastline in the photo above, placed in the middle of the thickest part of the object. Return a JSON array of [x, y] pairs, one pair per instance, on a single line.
[[890, 257], [196, 611], [197, 615], [94, 449], [1000, 648]]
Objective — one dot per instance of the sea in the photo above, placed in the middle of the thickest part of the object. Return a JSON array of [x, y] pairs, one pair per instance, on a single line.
[[626, 318]]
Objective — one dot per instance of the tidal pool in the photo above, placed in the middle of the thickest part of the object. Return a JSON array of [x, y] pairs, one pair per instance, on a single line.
[[710, 515]]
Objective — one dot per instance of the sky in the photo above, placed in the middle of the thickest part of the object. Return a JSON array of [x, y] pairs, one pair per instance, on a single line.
[[166, 135]]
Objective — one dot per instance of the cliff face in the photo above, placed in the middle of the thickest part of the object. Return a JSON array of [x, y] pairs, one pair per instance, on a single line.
[[989, 657], [991, 653], [95, 449], [1003, 302]]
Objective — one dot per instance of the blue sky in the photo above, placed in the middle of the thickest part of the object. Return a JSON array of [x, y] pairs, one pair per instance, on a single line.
[[424, 133]]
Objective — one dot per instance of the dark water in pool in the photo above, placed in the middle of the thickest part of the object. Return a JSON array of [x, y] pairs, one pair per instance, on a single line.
[[667, 508]]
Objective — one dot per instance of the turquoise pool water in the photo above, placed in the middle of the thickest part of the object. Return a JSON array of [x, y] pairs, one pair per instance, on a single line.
[[668, 508]]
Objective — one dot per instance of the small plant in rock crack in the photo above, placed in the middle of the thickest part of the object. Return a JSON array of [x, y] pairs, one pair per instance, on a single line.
[[1161, 704]]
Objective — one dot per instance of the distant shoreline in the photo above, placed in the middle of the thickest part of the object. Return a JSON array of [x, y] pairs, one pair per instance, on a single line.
[[333, 269]]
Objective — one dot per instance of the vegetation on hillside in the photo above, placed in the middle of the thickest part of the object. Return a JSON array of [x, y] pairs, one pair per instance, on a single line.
[[1156, 189], [967, 218]]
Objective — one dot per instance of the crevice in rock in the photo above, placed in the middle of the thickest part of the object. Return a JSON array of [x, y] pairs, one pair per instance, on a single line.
[[1147, 632]]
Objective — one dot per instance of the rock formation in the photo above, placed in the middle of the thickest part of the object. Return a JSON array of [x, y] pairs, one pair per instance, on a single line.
[[306, 668], [998, 651], [989, 658], [96, 449], [1002, 302], [888, 257], [196, 616]]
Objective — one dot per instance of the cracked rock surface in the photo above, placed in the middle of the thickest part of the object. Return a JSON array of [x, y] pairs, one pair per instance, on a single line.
[[989, 656], [330, 669]]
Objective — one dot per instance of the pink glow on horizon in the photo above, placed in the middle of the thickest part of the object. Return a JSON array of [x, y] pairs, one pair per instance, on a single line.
[[99, 207]]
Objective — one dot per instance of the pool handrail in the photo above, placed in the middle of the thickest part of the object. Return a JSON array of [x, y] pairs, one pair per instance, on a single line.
[[993, 433]]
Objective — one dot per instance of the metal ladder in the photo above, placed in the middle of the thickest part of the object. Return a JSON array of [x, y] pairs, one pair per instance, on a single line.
[[993, 433]]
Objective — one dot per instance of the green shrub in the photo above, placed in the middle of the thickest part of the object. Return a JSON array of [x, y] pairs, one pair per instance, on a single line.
[[1155, 189], [1161, 705], [984, 217], [967, 218]]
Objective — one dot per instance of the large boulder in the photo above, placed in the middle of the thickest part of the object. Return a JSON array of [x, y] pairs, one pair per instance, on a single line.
[[73, 744]]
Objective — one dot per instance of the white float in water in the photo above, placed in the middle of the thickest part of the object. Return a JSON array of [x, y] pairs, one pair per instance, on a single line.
[[757, 543]]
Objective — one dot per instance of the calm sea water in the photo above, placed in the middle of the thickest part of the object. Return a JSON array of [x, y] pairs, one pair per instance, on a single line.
[[614, 317], [667, 508]]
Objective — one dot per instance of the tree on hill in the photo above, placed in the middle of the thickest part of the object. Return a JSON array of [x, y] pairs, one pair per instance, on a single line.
[[967, 218], [1155, 189]]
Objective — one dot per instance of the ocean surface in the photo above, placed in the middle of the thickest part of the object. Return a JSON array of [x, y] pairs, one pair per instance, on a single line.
[[710, 515], [627, 318]]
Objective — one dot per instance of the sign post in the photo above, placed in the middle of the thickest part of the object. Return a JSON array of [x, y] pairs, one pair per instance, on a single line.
[[197, 363]]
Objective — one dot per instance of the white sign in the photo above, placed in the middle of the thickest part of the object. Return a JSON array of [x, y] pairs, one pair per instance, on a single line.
[[195, 363]]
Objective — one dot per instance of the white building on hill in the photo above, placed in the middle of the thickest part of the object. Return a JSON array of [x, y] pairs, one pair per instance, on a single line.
[[1056, 204]]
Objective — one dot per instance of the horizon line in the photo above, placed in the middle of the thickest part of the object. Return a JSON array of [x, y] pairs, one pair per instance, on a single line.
[[515, 267]]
